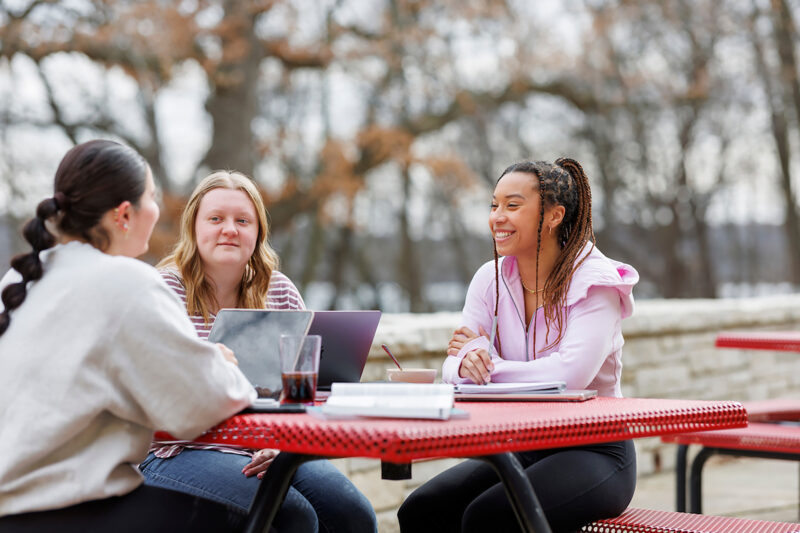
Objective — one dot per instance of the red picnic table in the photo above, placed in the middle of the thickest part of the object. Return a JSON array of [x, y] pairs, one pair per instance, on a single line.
[[492, 432], [763, 438], [785, 341]]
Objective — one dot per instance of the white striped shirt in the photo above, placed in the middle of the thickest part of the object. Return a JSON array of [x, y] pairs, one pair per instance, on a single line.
[[282, 294]]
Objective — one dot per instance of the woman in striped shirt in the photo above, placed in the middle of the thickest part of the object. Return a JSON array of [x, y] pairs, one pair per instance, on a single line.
[[222, 260]]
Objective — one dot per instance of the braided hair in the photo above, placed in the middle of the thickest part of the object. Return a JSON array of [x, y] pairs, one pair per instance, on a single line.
[[91, 179], [560, 183]]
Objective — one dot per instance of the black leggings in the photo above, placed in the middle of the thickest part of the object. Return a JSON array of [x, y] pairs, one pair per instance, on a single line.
[[150, 509], [575, 486]]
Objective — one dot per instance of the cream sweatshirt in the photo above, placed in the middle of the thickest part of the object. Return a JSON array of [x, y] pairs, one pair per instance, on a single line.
[[99, 355]]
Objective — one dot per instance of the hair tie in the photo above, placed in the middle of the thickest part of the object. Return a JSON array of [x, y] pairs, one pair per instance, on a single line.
[[62, 202]]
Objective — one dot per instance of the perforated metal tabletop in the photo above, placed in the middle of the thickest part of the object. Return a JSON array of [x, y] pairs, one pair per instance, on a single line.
[[492, 427], [492, 431]]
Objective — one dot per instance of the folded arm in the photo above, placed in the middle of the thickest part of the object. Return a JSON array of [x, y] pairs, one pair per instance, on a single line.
[[587, 341]]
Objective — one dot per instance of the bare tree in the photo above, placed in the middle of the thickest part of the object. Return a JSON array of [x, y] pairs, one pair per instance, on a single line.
[[451, 90]]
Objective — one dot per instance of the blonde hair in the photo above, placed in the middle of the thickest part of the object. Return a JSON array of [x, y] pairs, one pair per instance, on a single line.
[[186, 259]]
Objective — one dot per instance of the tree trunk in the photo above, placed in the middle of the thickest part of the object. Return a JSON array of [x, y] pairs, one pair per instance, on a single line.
[[233, 101], [785, 37], [780, 132], [367, 272], [674, 275], [409, 273], [152, 152], [676, 278], [339, 263], [707, 277], [315, 247]]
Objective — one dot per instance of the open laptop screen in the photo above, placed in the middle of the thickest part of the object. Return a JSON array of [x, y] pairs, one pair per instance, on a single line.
[[346, 339], [254, 335]]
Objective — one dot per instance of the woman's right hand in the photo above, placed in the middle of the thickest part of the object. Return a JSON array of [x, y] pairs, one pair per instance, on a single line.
[[477, 365], [227, 353], [261, 461], [462, 336]]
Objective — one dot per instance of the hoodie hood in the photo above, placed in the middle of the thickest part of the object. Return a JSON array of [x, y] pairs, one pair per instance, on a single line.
[[596, 270]]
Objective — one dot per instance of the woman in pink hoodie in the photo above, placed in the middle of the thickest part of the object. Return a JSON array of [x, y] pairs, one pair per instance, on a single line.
[[556, 304]]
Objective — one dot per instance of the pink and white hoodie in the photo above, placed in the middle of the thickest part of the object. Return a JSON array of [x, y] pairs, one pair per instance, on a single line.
[[589, 355]]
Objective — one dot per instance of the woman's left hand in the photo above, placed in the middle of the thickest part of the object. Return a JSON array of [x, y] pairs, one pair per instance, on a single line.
[[261, 460]]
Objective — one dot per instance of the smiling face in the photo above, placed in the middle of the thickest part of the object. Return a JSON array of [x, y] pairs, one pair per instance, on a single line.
[[226, 229], [514, 218]]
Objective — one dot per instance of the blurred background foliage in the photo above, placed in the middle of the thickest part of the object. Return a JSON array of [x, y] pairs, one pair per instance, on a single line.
[[377, 128]]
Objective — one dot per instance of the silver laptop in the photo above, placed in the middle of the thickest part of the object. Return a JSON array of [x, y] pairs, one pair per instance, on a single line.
[[346, 339], [567, 395], [254, 336]]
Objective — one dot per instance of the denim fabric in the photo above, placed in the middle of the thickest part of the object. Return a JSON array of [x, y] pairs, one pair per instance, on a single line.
[[340, 506], [320, 497]]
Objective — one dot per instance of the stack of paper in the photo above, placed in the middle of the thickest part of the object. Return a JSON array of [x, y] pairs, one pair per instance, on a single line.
[[392, 400]]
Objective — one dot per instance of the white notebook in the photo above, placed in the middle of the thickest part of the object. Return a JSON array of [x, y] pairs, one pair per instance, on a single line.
[[498, 388], [390, 400]]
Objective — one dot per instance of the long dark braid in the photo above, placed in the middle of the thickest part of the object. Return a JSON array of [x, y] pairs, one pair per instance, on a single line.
[[91, 179], [496, 295], [539, 249], [561, 183], [29, 265]]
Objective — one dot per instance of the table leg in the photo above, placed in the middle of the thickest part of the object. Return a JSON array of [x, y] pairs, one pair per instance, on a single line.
[[272, 490], [696, 480], [523, 500], [680, 478], [395, 471]]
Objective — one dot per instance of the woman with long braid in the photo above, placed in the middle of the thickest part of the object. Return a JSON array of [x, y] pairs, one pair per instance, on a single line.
[[95, 354], [558, 303]]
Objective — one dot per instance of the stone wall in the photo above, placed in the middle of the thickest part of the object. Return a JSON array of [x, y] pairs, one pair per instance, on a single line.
[[669, 353]]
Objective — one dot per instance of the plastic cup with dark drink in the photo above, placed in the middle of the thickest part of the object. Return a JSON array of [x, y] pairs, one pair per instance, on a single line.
[[299, 367]]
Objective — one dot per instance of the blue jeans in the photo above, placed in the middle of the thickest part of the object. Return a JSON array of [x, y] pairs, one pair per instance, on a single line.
[[320, 498]]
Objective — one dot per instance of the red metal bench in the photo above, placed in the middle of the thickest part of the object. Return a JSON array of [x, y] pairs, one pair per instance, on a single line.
[[650, 521], [761, 440]]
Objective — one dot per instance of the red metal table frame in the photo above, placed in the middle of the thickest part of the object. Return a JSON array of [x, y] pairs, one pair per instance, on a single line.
[[492, 431], [731, 442], [784, 341], [776, 442]]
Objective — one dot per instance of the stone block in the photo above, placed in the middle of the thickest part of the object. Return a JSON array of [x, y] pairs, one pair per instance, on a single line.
[[710, 361], [383, 494], [644, 463], [738, 377], [387, 522], [344, 465], [422, 471], [659, 382], [668, 454], [641, 352], [360, 464]]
